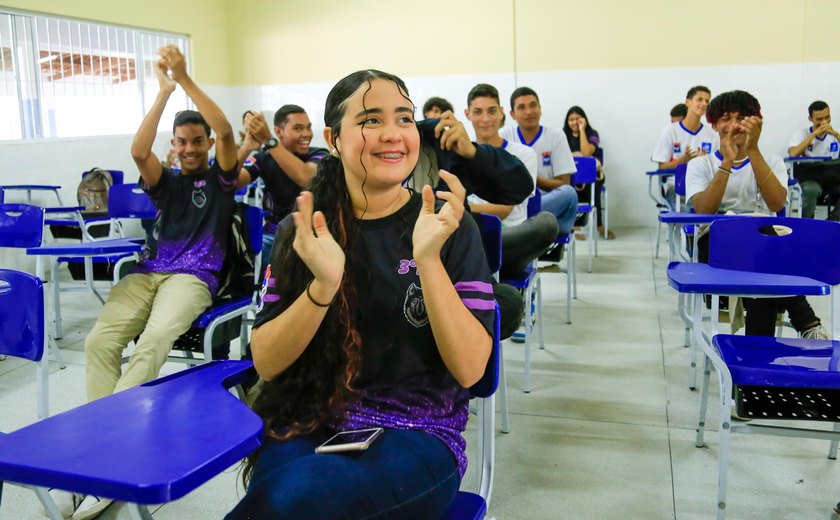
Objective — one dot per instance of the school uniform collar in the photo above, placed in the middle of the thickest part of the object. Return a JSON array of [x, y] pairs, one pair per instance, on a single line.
[[522, 139], [734, 166], [689, 131]]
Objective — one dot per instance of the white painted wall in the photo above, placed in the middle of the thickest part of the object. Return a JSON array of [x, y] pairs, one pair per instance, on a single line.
[[629, 107]]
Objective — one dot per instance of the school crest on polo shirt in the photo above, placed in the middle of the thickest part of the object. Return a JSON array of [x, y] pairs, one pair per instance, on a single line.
[[677, 147], [706, 147], [414, 307], [834, 147], [546, 158]]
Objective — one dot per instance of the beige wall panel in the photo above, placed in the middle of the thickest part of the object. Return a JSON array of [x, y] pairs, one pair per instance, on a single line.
[[323, 40], [205, 21], [568, 35]]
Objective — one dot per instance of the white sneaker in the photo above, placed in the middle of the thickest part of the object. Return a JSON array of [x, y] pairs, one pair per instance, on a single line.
[[90, 507], [65, 501], [817, 332]]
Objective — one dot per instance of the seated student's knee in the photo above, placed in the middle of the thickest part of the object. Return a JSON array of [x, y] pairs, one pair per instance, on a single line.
[[811, 189], [96, 343], [545, 228], [511, 308]]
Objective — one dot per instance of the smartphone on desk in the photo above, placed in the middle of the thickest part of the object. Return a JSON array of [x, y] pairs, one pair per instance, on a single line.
[[352, 440]]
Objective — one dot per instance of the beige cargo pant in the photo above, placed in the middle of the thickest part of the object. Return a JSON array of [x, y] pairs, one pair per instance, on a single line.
[[162, 307]]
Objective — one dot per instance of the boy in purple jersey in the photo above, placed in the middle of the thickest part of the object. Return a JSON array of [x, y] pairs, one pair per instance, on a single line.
[[286, 163], [167, 290]]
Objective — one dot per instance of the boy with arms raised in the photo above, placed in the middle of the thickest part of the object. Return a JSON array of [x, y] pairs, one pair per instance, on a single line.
[[164, 294]]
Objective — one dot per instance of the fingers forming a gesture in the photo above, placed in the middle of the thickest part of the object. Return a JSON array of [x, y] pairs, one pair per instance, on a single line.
[[433, 229], [314, 243]]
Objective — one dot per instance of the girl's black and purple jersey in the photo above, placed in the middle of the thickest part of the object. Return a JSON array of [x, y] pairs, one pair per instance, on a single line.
[[194, 213], [404, 383]]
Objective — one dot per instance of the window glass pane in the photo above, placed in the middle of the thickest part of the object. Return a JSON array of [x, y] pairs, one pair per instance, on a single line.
[[150, 44], [9, 105], [27, 81], [69, 78], [88, 78]]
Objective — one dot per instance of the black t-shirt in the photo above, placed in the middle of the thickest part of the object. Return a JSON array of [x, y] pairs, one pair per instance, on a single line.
[[574, 142], [194, 221], [493, 174], [403, 382], [280, 190]]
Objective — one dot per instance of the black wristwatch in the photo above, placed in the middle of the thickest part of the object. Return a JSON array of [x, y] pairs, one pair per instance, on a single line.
[[271, 143]]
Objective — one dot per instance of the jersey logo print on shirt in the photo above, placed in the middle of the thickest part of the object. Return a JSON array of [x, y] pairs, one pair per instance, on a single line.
[[405, 265], [706, 147], [546, 158], [677, 147], [199, 199], [834, 147], [415, 306]]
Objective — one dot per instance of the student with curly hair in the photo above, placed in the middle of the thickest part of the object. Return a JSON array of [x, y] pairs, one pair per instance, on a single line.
[[739, 178]]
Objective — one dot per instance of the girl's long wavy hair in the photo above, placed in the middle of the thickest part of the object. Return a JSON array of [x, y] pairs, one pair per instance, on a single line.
[[318, 386]]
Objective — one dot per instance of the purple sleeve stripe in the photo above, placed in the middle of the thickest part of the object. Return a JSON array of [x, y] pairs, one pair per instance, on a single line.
[[481, 305], [227, 183], [474, 286], [271, 298]]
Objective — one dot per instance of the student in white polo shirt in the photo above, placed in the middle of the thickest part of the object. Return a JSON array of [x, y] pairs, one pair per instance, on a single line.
[[523, 238], [684, 140], [738, 178], [555, 161], [817, 140]]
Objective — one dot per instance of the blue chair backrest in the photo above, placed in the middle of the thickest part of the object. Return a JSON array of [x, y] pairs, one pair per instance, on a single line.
[[486, 386], [491, 237], [21, 225], [129, 201], [599, 154], [534, 203], [587, 170], [811, 250], [679, 179], [254, 216], [21, 315], [116, 175]]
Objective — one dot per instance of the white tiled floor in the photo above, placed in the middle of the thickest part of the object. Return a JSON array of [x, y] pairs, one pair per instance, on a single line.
[[607, 432]]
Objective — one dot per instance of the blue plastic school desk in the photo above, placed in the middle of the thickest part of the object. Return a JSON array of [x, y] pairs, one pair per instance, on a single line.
[[147, 445]]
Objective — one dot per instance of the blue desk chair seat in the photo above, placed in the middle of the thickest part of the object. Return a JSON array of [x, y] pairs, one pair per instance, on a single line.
[[210, 334], [473, 506], [528, 283], [567, 244], [23, 331], [21, 227], [587, 173], [679, 189], [190, 420], [744, 260], [125, 201]]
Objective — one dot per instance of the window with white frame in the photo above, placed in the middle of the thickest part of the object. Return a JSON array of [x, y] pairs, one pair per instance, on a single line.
[[69, 78]]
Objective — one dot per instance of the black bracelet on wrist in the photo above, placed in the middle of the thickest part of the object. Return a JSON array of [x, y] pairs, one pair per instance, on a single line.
[[317, 303]]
